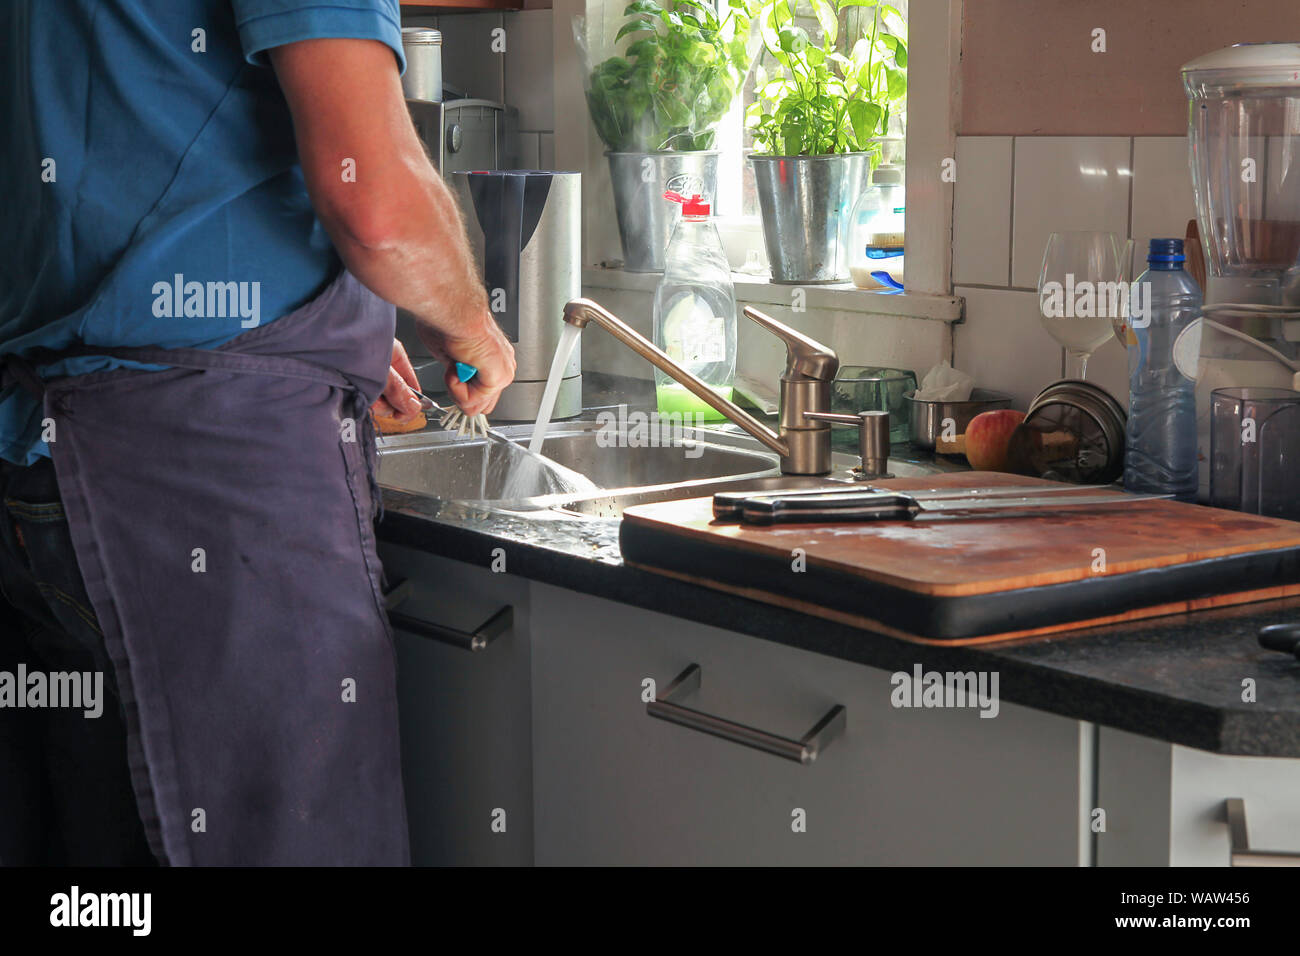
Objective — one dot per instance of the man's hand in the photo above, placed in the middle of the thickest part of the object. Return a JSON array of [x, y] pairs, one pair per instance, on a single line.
[[392, 219], [397, 400], [488, 350]]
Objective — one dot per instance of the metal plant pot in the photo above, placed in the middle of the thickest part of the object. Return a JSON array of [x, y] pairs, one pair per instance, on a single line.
[[805, 201], [645, 218]]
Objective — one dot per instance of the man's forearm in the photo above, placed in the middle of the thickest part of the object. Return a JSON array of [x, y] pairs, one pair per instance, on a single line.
[[393, 220], [410, 249]]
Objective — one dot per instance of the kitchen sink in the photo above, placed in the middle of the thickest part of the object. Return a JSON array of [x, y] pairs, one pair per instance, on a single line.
[[623, 468], [443, 465]]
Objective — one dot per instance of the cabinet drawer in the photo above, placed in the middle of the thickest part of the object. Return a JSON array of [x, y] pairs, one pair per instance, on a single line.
[[1166, 804], [465, 715], [897, 786]]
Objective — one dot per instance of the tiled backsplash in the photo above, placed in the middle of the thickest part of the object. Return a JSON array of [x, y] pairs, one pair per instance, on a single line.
[[1011, 194], [520, 76]]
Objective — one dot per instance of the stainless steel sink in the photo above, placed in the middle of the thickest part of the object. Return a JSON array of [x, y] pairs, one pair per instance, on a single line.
[[444, 466], [625, 471]]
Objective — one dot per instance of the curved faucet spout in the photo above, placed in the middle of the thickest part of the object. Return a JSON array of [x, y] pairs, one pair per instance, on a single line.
[[581, 311]]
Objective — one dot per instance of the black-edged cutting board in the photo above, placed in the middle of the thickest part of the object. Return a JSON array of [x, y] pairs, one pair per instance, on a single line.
[[951, 579]]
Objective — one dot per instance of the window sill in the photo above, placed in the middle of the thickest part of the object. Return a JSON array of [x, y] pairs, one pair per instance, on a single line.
[[759, 290]]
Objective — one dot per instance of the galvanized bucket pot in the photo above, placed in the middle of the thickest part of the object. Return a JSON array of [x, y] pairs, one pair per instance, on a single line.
[[645, 218], [805, 202]]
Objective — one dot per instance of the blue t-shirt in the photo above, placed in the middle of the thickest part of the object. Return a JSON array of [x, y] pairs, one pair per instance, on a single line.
[[150, 192]]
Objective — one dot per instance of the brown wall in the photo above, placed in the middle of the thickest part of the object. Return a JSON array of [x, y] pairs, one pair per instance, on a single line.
[[1028, 68]]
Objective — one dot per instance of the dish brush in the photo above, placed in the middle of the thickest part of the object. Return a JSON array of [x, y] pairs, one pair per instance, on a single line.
[[454, 419]]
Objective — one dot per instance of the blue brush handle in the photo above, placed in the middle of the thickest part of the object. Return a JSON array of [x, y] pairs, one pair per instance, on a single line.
[[465, 371]]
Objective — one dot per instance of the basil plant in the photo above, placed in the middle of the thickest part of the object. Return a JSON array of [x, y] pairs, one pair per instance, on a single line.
[[675, 80], [836, 97]]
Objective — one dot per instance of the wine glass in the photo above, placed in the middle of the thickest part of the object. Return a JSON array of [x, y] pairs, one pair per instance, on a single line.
[[1083, 291]]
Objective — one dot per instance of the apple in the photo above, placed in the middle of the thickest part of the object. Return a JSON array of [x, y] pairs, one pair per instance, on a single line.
[[988, 436]]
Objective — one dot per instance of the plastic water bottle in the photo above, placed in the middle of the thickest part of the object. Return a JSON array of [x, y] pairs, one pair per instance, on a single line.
[[1165, 302], [695, 312]]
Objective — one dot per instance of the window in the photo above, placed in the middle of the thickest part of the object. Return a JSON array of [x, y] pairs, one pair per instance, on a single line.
[[737, 201], [934, 49]]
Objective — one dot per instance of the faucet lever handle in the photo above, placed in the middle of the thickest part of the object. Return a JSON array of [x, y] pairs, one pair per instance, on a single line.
[[806, 358]]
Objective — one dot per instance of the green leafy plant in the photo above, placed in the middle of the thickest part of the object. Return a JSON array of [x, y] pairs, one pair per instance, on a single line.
[[819, 100], [676, 78]]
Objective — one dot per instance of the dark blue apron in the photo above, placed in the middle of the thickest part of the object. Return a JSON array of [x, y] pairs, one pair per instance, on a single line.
[[222, 514]]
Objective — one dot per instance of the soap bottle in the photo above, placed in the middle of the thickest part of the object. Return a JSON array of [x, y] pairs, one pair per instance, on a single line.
[[695, 312], [876, 232]]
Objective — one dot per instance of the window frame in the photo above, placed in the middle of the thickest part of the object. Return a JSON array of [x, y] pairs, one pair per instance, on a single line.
[[934, 50]]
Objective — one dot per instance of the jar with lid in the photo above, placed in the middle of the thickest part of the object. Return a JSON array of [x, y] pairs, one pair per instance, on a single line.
[[875, 233]]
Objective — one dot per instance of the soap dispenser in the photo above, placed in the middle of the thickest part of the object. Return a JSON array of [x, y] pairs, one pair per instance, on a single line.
[[695, 312]]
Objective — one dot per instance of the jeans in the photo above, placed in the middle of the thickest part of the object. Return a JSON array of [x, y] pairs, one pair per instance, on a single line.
[[65, 789]]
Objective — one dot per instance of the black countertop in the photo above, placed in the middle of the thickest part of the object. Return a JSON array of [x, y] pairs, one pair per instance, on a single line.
[[1179, 678]]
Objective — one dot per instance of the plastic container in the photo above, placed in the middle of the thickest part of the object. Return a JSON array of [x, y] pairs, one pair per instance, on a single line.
[[695, 312], [1242, 133], [1160, 445], [875, 239]]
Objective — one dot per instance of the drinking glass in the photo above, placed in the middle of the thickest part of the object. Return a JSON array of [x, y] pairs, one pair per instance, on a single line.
[[1255, 450], [1083, 292], [859, 388]]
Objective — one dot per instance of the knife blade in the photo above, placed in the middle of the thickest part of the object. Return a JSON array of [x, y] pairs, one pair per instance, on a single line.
[[898, 506], [728, 505]]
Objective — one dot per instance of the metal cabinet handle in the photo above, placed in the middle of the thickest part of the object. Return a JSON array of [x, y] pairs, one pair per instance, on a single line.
[[475, 640], [804, 750], [1241, 853]]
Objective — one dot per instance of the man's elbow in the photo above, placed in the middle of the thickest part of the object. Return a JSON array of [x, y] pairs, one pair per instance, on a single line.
[[387, 211], [364, 221]]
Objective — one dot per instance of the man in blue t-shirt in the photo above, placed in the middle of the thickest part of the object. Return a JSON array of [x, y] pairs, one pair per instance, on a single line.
[[210, 210]]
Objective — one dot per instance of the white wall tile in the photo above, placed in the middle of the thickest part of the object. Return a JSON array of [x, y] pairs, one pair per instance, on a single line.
[[468, 62], [530, 68], [1003, 343], [981, 229], [1065, 183], [546, 151], [1163, 200]]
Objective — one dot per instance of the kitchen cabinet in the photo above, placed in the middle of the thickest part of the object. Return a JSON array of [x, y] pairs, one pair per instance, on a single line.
[[548, 724], [1165, 804], [466, 742], [612, 785]]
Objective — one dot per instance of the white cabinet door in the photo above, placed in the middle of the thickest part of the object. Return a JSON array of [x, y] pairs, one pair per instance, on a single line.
[[899, 786], [466, 740], [1165, 804]]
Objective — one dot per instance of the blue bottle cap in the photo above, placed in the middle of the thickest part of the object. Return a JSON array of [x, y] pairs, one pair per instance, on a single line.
[[1165, 250]]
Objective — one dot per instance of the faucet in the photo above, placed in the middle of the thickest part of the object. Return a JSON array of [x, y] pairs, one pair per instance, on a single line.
[[803, 442]]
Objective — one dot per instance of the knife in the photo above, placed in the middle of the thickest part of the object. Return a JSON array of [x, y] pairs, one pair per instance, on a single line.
[[728, 505], [898, 506]]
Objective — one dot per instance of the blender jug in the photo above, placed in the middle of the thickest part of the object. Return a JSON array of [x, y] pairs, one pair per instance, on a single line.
[[1244, 154]]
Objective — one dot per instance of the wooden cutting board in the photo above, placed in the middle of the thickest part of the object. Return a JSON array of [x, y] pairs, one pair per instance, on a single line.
[[947, 579]]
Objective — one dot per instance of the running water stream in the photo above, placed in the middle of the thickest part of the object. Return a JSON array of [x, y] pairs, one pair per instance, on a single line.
[[512, 471], [568, 339]]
